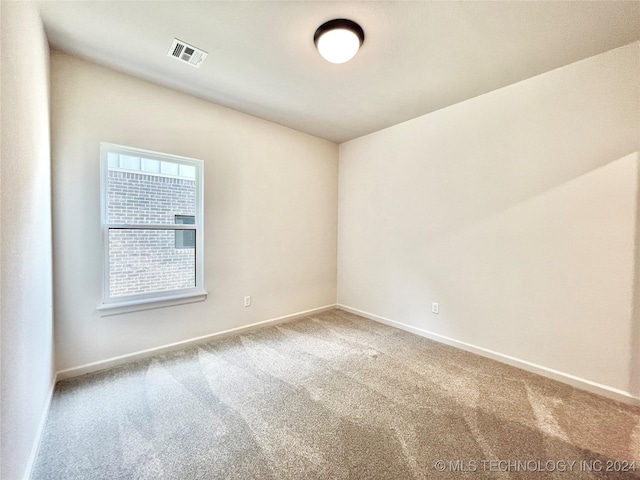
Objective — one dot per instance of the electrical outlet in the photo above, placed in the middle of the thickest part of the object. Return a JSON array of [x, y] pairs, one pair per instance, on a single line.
[[435, 308], [247, 301]]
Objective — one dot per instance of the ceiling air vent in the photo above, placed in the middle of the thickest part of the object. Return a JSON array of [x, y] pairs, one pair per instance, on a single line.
[[187, 53]]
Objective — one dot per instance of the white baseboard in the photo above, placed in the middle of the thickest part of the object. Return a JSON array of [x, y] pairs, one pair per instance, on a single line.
[[38, 440], [578, 382], [132, 357]]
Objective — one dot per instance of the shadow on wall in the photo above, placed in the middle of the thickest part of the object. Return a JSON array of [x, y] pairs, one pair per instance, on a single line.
[[525, 277]]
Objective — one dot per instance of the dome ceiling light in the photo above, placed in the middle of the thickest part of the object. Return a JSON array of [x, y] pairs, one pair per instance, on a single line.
[[338, 40]]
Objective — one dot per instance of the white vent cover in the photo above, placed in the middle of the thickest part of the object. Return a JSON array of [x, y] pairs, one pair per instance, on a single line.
[[187, 53]]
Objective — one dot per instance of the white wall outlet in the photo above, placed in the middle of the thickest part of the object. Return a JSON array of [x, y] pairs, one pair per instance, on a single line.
[[247, 301], [435, 308]]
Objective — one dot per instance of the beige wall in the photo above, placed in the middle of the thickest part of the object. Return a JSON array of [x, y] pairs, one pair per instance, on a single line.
[[515, 211], [270, 211], [26, 316]]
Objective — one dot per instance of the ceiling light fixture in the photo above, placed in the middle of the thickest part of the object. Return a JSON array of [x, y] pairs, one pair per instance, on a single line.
[[338, 40]]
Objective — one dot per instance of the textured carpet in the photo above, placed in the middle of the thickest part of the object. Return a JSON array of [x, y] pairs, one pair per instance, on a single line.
[[331, 396]]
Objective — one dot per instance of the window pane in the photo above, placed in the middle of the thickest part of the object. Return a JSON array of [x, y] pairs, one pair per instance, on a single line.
[[170, 168], [185, 238], [114, 160], [185, 220], [187, 171], [145, 261], [149, 197], [150, 165], [129, 162]]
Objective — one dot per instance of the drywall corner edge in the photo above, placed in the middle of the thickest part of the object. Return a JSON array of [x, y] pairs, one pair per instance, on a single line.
[[572, 380], [634, 380], [39, 434]]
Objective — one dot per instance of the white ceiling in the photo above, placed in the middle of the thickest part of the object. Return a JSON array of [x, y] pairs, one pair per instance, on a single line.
[[417, 56]]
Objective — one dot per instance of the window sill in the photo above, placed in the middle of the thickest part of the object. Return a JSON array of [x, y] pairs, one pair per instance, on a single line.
[[107, 309]]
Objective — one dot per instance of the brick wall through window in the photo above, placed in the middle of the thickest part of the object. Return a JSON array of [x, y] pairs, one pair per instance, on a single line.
[[143, 261]]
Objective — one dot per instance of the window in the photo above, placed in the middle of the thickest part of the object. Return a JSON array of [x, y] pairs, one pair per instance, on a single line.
[[152, 229], [185, 238]]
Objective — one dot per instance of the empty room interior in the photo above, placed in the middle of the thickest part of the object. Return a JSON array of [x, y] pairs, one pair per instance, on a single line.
[[320, 240]]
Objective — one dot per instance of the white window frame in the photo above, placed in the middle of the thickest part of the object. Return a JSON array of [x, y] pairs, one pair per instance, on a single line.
[[129, 303]]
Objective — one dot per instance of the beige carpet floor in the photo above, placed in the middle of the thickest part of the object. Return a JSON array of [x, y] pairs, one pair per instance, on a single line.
[[331, 396]]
